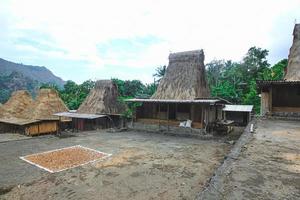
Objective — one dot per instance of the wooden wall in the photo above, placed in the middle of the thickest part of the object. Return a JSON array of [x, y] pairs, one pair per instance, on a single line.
[[43, 127], [265, 103]]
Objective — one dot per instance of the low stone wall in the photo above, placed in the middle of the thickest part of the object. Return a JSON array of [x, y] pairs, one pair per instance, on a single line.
[[287, 114], [215, 185]]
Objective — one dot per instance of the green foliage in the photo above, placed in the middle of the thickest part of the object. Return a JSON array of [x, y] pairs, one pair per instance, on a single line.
[[226, 91], [73, 94], [134, 88], [160, 72], [236, 81], [251, 97], [4, 95], [214, 71], [255, 62], [276, 72], [131, 89]]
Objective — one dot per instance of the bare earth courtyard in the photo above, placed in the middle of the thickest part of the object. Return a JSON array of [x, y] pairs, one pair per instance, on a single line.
[[141, 166], [156, 166]]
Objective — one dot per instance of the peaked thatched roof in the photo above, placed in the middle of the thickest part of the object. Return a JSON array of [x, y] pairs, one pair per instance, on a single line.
[[293, 68], [103, 99], [16, 105], [185, 77], [45, 105]]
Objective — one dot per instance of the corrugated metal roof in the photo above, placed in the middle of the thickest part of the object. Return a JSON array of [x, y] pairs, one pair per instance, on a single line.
[[212, 101], [238, 108], [79, 115]]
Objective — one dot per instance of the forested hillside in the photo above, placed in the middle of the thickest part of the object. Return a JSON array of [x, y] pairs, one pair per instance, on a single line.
[[37, 73], [15, 76]]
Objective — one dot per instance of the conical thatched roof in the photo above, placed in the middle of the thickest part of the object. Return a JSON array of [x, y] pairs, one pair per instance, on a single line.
[[46, 104], [184, 78], [16, 105], [103, 99], [293, 68]]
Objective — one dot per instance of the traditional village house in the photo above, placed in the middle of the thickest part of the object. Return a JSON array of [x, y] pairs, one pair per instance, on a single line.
[[21, 114], [182, 96], [101, 109], [282, 98]]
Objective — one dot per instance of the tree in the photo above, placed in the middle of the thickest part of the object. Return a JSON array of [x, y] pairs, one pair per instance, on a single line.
[[252, 97], [255, 62], [214, 70], [160, 72], [226, 91], [129, 89], [276, 72]]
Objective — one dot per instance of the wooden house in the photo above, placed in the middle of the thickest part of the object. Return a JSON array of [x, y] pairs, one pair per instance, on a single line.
[[100, 110], [182, 96], [282, 98], [21, 114]]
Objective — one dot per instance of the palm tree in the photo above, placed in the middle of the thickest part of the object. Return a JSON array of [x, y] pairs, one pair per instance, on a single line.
[[160, 72]]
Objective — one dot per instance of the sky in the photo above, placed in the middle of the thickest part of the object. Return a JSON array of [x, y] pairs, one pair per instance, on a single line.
[[103, 39]]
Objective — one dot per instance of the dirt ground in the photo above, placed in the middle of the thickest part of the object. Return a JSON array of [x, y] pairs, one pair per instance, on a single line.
[[268, 166], [12, 137], [142, 166]]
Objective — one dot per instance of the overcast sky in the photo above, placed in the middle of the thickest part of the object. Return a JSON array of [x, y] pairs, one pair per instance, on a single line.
[[86, 39]]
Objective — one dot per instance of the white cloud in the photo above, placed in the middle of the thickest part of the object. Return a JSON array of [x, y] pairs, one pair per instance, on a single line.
[[224, 29]]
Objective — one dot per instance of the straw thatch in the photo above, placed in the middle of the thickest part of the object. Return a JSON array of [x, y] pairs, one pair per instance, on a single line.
[[46, 104], [16, 105], [184, 78], [103, 99], [293, 68]]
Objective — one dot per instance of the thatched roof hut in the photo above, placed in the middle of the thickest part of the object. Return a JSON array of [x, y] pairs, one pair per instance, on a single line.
[[293, 68], [185, 77], [16, 105], [46, 104], [103, 99]]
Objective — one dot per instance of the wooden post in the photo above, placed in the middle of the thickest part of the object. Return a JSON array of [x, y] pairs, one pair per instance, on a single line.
[[158, 116], [271, 99], [58, 131], [202, 115], [168, 115], [175, 111]]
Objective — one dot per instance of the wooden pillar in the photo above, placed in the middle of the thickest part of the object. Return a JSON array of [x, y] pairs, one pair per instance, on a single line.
[[168, 110], [202, 115], [271, 99], [158, 116], [175, 111], [58, 125], [191, 112]]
